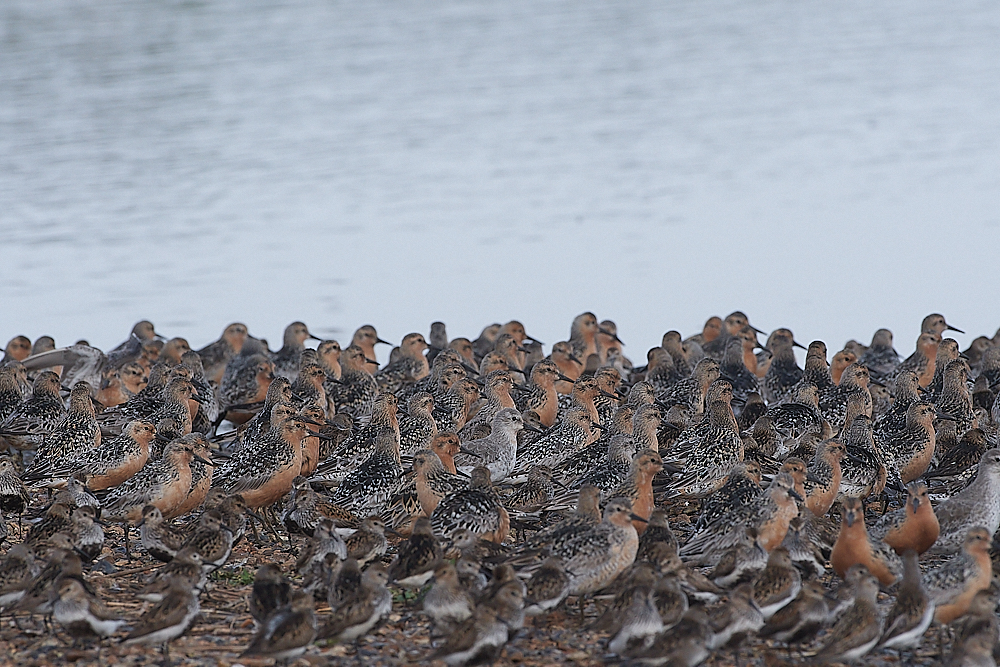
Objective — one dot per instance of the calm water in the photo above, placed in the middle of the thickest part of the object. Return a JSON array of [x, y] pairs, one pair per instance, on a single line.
[[831, 167]]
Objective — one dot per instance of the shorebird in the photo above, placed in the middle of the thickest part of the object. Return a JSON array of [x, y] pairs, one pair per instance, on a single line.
[[547, 588], [741, 487], [823, 481], [595, 555], [911, 450], [362, 441], [86, 532], [922, 360], [952, 586], [314, 559], [159, 538], [719, 449], [80, 612], [14, 497], [30, 421], [734, 367], [447, 603], [366, 338], [955, 399], [368, 543], [801, 619], [245, 380], [215, 356], [976, 505], [684, 645], [690, 392], [912, 526], [17, 570], [836, 405], [264, 473], [855, 546], [632, 615], [864, 472], [778, 584], [212, 540], [741, 562], [536, 492], [606, 470], [540, 394], [497, 451], [411, 366], [783, 373], [286, 360], [417, 427], [369, 486], [554, 537], [477, 508], [357, 390], [164, 483], [417, 558], [768, 514], [881, 357], [912, 612], [739, 617], [167, 620], [977, 634], [305, 509], [858, 630], [287, 632], [638, 487], [573, 433], [77, 433], [271, 591], [111, 464], [362, 611], [479, 639]]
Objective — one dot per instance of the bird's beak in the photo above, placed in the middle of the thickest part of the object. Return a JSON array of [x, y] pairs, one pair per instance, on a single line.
[[951, 328], [794, 494], [613, 336], [311, 337], [799, 345], [813, 478], [756, 330], [372, 361], [916, 504], [384, 342], [575, 359], [636, 517], [598, 426], [469, 452], [608, 394], [201, 459], [564, 378], [529, 427], [533, 340], [945, 416], [849, 518]]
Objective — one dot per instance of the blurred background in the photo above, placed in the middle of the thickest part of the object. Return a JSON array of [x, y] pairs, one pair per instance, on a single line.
[[829, 167]]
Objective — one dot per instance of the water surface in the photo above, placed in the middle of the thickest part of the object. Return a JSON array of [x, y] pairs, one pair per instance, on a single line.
[[831, 167]]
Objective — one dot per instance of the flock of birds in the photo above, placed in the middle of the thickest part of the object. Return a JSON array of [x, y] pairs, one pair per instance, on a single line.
[[720, 494]]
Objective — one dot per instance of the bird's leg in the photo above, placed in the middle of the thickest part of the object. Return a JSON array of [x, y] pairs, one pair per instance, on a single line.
[[128, 552], [166, 654]]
